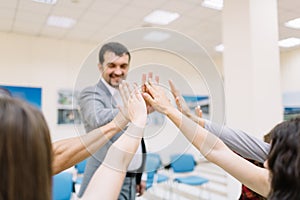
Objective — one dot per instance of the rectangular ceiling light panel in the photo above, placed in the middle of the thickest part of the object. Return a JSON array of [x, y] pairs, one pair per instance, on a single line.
[[161, 17]]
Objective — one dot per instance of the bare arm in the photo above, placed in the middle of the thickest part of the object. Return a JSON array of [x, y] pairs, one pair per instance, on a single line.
[[209, 145], [110, 175], [237, 140], [70, 151]]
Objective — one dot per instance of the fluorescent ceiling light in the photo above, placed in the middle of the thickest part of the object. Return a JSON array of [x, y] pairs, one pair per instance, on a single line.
[[46, 1], [214, 4], [219, 48], [295, 23], [156, 36], [161, 17], [62, 22], [289, 42]]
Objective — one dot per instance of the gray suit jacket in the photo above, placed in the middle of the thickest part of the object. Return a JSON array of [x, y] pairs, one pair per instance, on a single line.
[[98, 107], [242, 143]]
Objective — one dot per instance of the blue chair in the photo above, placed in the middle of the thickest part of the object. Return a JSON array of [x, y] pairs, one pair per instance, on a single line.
[[185, 163], [62, 188], [153, 164], [80, 167]]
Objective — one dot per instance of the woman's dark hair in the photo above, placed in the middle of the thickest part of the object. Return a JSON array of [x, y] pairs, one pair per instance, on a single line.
[[115, 47], [284, 161], [4, 92], [25, 152]]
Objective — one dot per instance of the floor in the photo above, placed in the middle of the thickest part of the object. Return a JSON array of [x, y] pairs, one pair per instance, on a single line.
[[215, 189]]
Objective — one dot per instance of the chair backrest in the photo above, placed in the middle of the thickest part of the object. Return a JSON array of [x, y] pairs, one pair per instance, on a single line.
[[62, 186], [153, 163], [182, 163], [80, 167]]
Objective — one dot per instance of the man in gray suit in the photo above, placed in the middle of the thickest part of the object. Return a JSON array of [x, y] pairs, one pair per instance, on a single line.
[[98, 105]]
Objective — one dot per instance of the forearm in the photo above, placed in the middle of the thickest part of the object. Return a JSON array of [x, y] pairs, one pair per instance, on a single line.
[[197, 135], [218, 153], [111, 173], [121, 152], [200, 121], [240, 142], [254, 177], [70, 151]]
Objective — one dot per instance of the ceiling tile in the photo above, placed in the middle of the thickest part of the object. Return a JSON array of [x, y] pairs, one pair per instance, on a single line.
[[106, 7], [30, 16], [35, 7], [94, 17], [74, 13], [133, 12], [11, 4], [178, 6], [101, 19], [201, 13], [27, 27], [54, 32], [74, 4], [154, 4]]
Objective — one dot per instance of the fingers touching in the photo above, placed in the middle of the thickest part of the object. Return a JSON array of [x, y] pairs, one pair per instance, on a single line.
[[134, 102]]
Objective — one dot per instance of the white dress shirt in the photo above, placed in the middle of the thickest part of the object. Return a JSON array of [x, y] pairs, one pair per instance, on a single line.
[[137, 159]]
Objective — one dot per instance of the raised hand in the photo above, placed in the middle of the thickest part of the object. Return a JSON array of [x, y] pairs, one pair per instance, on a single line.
[[180, 102], [156, 97], [184, 108], [150, 109], [134, 104], [198, 111]]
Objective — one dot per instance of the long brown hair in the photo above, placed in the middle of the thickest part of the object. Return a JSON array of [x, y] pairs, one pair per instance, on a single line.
[[25, 152], [284, 160]]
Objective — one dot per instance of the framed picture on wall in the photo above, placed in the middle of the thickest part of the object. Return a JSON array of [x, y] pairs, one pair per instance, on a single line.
[[32, 95], [291, 104], [68, 116], [67, 107], [291, 112]]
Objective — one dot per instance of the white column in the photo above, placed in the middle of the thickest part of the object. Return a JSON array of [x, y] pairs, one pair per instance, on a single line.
[[251, 65]]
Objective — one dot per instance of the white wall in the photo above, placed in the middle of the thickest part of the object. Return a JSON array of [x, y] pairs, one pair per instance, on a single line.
[[46, 63], [56, 64], [164, 138], [290, 71], [289, 66]]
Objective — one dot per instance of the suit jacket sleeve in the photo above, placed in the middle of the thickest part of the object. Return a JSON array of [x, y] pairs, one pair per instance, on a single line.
[[240, 142], [96, 111]]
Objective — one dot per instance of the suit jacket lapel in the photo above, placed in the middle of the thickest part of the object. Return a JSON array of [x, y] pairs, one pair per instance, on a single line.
[[103, 87]]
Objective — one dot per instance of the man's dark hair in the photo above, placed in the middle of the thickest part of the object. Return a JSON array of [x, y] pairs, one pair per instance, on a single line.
[[115, 47]]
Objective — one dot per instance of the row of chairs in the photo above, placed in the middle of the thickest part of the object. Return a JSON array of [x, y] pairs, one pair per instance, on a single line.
[[65, 182], [183, 164]]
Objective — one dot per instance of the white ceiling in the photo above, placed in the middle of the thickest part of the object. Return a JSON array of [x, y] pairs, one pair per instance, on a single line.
[[98, 20]]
